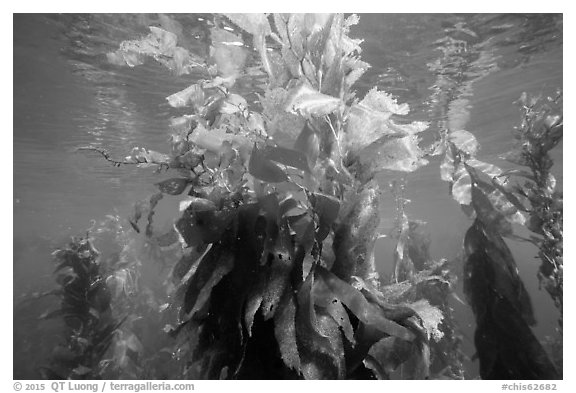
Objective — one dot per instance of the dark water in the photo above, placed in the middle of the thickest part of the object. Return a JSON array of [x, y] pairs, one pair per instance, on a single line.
[[66, 95]]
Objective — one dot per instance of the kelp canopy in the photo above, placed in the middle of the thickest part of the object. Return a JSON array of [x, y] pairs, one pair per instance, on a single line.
[[278, 214]]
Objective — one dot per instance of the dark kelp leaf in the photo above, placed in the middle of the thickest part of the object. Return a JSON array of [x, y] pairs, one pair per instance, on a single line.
[[386, 355], [191, 233], [184, 272], [278, 281], [259, 237], [173, 186], [327, 208], [287, 205], [270, 205], [306, 310], [337, 311], [490, 269], [201, 223], [322, 294], [331, 356], [359, 306], [304, 228], [285, 331], [216, 264], [262, 168], [182, 267], [288, 157], [214, 224], [506, 346], [254, 300], [319, 339], [272, 229]]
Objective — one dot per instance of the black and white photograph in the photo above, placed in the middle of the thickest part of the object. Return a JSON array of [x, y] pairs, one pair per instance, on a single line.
[[286, 196]]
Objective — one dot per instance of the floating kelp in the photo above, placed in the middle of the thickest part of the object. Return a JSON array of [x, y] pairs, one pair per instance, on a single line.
[[160, 45]]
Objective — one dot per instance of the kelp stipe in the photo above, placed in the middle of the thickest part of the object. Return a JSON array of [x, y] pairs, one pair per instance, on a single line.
[[432, 283], [540, 131]]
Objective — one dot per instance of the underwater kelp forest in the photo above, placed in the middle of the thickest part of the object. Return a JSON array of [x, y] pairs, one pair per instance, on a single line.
[[288, 196]]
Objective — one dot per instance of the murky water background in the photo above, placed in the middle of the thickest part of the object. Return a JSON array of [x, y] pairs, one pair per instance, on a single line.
[[66, 95]]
